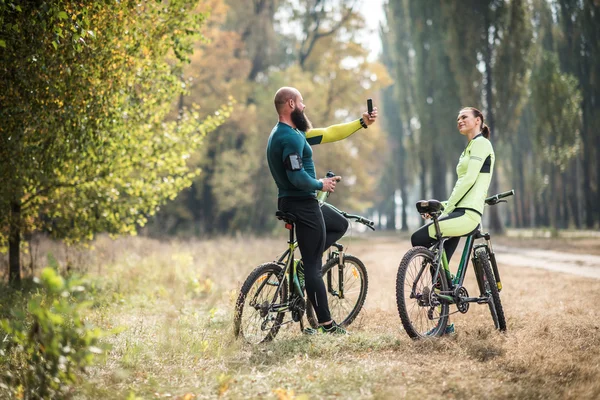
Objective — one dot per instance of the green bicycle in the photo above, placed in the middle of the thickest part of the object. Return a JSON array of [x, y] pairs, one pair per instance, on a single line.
[[273, 289], [425, 289]]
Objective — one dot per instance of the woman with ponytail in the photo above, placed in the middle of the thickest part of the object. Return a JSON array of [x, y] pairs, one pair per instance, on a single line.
[[464, 208]]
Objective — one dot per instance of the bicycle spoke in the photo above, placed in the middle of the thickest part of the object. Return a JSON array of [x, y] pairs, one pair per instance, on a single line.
[[352, 282], [252, 321], [419, 313]]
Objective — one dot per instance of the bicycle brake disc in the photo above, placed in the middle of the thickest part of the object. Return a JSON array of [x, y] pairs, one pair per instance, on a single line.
[[425, 299], [264, 309]]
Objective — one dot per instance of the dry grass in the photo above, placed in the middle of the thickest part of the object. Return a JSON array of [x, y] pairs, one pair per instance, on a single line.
[[174, 303]]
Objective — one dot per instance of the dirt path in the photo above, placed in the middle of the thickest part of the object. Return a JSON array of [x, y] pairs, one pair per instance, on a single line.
[[382, 256], [576, 264], [580, 264]]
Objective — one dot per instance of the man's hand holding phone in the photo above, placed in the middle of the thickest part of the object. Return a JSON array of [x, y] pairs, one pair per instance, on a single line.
[[371, 115]]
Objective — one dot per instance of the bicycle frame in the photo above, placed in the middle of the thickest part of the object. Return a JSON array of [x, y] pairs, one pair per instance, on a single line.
[[290, 273], [441, 262]]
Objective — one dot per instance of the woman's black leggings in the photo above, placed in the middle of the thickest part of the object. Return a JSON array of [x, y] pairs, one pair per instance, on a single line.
[[317, 228]]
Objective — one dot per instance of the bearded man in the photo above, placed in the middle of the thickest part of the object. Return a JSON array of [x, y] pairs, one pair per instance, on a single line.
[[289, 155]]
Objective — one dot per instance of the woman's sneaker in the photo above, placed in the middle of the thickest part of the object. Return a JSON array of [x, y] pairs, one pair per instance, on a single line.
[[334, 329], [448, 331]]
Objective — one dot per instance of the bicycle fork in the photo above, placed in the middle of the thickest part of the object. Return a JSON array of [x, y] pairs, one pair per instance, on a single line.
[[490, 252], [340, 253]]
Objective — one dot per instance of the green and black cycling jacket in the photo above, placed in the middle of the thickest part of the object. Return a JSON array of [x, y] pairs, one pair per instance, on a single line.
[[285, 141], [474, 169]]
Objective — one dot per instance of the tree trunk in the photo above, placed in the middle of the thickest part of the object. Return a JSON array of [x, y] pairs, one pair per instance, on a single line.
[[519, 178], [565, 212], [438, 175], [495, 223], [595, 208], [546, 211], [14, 244], [404, 197], [573, 192], [423, 179], [554, 211], [402, 182], [588, 194]]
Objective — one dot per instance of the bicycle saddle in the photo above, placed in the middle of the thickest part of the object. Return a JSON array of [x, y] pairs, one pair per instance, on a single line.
[[429, 206], [287, 217]]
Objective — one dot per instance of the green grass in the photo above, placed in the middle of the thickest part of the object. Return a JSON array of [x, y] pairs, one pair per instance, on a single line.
[[173, 303]]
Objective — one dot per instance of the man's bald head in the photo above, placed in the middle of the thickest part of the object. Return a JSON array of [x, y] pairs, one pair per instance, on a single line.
[[284, 95]]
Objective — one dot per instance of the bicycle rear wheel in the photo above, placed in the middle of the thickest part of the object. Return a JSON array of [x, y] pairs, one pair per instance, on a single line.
[[346, 290], [488, 287], [254, 320], [422, 312]]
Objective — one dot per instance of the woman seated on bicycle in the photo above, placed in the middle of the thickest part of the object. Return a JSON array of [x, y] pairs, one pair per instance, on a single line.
[[463, 210]]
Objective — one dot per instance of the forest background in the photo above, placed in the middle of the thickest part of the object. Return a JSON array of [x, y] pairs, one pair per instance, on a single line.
[[156, 121], [151, 118]]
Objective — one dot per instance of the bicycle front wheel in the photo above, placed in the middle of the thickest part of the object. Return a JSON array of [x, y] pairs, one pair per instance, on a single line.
[[422, 312], [346, 286], [254, 318], [488, 287]]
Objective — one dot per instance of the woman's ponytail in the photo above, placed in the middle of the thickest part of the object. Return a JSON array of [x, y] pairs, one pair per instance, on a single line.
[[485, 131]]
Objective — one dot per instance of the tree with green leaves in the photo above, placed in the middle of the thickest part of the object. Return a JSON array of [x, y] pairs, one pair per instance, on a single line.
[[427, 92], [499, 33], [235, 192], [578, 47], [396, 175], [84, 142], [556, 101]]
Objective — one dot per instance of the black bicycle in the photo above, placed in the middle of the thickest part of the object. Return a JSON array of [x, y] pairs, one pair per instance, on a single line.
[[274, 289], [425, 288]]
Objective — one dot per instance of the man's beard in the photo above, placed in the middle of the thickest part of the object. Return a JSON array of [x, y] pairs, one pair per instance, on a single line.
[[300, 120]]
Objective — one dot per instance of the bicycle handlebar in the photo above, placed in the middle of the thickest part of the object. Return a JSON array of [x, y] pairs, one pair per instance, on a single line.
[[366, 222], [495, 199]]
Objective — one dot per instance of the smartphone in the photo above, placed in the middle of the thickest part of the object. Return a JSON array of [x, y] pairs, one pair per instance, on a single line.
[[370, 106]]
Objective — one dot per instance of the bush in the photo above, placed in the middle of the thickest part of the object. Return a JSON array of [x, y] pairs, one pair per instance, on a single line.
[[44, 348]]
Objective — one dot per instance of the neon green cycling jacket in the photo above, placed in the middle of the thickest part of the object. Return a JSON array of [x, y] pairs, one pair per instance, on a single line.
[[475, 168]]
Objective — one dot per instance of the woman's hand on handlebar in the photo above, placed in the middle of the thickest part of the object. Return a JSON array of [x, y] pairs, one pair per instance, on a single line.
[[329, 183]]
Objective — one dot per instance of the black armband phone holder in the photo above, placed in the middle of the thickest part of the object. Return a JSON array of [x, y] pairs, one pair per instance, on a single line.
[[293, 162]]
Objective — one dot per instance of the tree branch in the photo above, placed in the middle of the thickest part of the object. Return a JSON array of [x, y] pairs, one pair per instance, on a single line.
[[316, 35]]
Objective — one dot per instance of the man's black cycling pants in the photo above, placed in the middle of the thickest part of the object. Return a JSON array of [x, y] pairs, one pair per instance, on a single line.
[[317, 228]]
